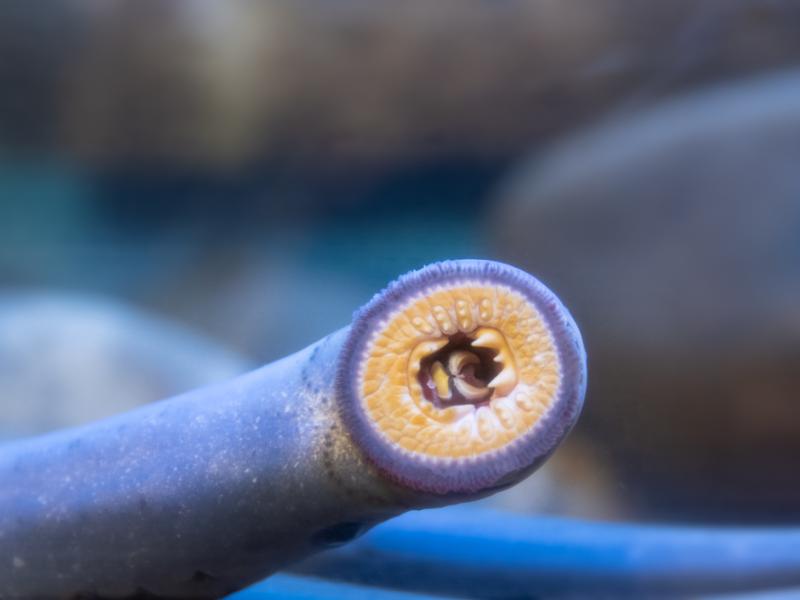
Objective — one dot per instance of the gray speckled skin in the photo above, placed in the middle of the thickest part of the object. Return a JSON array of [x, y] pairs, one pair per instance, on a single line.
[[191, 497]]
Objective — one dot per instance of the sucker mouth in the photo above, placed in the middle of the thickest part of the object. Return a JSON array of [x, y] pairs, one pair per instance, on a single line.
[[460, 370], [470, 369], [459, 365], [461, 374]]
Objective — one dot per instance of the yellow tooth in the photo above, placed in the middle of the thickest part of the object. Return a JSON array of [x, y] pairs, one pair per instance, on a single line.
[[486, 309], [463, 433], [460, 359], [504, 382], [525, 402], [443, 319], [504, 414], [419, 352], [486, 425], [464, 312], [422, 325], [488, 338], [441, 380], [424, 349], [469, 391]]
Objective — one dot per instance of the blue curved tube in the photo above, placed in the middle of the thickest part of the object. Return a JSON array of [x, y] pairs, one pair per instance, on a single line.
[[282, 586], [489, 554]]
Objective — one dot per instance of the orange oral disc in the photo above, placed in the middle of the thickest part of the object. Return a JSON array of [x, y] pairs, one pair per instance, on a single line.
[[461, 374]]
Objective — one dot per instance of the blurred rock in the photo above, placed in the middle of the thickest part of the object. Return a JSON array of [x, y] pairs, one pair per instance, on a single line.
[[674, 237], [355, 86], [260, 304], [577, 481], [69, 359]]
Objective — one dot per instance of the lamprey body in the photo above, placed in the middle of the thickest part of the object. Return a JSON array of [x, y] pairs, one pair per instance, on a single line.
[[457, 380]]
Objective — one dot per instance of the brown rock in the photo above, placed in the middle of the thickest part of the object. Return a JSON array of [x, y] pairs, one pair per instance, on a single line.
[[357, 84], [674, 235]]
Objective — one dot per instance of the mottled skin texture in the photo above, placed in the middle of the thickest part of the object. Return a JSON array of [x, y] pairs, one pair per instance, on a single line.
[[205, 493], [196, 496]]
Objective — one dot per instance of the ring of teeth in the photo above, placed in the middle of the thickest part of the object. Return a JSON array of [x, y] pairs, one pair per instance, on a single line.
[[459, 371]]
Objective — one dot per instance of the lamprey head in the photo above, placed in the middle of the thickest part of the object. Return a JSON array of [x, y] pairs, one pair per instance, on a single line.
[[462, 376]]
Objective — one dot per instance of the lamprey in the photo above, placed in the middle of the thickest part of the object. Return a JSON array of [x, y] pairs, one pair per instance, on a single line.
[[457, 380]]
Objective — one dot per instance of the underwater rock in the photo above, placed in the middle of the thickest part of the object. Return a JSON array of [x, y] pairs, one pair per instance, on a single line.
[[69, 359], [675, 235], [314, 86]]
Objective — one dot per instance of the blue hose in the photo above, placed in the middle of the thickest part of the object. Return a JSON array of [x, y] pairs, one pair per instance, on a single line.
[[490, 554]]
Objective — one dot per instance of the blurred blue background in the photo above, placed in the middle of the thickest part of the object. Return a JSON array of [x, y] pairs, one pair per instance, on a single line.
[[189, 189]]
